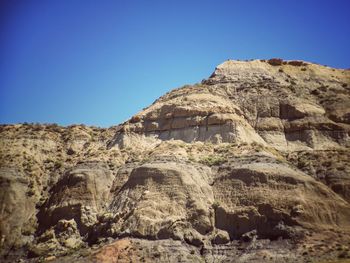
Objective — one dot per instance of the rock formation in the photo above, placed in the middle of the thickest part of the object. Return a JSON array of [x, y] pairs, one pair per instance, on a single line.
[[250, 165]]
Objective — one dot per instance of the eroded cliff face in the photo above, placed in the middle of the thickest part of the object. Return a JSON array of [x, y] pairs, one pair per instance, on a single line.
[[250, 165]]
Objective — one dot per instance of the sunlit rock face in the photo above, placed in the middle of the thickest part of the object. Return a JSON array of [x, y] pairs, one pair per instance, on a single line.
[[250, 165]]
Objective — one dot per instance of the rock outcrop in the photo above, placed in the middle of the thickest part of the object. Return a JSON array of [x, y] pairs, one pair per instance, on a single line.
[[250, 165]]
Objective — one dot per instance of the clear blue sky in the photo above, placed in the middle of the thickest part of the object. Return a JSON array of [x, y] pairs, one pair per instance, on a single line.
[[99, 62]]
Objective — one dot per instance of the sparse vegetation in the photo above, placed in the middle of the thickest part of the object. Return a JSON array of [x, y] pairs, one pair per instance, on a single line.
[[212, 160], [275, 61], [58, 164]]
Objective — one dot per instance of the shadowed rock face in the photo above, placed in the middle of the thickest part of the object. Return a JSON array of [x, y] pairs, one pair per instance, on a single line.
[[80, 194], [17, 208], [273, 200], [250, 165]]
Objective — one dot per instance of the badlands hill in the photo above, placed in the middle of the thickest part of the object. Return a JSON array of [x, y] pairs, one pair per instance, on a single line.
[[250, 165]]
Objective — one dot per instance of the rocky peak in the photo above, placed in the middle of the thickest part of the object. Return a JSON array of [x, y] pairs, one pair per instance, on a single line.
[[234, 70], [259, 101]]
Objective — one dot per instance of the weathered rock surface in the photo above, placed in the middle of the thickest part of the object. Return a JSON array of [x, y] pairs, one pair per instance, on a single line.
[[251, 165]]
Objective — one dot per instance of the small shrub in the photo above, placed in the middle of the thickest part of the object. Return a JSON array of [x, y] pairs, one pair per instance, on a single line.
[[191, 158], [275, 61], [212, 160], [297, 63], [257, 146], [58, 164]]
